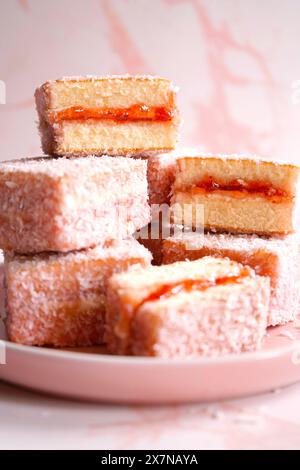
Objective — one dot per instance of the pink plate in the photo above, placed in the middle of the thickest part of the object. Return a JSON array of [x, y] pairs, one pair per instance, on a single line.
[[89, 374]]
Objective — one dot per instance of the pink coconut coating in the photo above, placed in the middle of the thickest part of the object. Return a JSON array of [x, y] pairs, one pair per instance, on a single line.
[[161, 176], [276, 257], [67, 204], [230, 321], [219, 320], [59, 299]]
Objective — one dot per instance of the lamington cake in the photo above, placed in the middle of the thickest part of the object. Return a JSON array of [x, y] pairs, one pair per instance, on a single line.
[[276, 257], [59, 299], [161, 174], [238, 193], [117, 115], [68, 204], [207, 307]]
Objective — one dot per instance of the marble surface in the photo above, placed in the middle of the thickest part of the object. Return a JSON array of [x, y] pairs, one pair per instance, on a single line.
[[32, 421]]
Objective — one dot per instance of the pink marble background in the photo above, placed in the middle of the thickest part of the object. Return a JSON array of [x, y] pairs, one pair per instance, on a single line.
[[237, 63]]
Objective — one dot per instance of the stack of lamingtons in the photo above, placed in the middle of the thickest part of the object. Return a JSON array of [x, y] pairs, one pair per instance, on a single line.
[[74, 273]]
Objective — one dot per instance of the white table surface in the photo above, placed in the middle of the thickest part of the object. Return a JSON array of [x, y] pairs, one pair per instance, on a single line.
[[32, 421]]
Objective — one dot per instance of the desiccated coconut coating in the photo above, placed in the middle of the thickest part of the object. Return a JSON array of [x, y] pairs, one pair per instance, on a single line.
[[225, 317], [152, 237], [238, 194], [67, 204], [161, 176], [59, 299], [276, 257]]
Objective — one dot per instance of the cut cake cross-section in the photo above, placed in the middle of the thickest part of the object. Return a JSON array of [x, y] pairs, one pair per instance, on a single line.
[[238, 194]]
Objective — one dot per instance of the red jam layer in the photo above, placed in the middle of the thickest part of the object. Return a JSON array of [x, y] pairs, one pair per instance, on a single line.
[[138, 112], [261, 188], [189, 285]]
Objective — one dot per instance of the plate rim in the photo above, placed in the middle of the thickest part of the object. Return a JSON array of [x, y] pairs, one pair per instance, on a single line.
[[249, 356]]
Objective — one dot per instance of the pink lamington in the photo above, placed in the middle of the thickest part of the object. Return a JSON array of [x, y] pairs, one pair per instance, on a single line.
[[59, 299], [207, 307], [65, 204], [276, 257]]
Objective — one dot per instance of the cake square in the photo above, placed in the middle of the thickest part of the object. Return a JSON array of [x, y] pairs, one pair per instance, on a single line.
[[114, 115], [238, 193], [207, 307], [59, 299], [68, 204], [276, 257], [151, 241]]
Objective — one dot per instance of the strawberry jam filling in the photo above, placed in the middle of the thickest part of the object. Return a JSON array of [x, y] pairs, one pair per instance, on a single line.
[[190, 285], [261, 188], [138, 112]]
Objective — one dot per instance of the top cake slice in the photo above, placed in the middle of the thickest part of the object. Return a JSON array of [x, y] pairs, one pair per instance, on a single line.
[[238, 193], [119, 115]]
